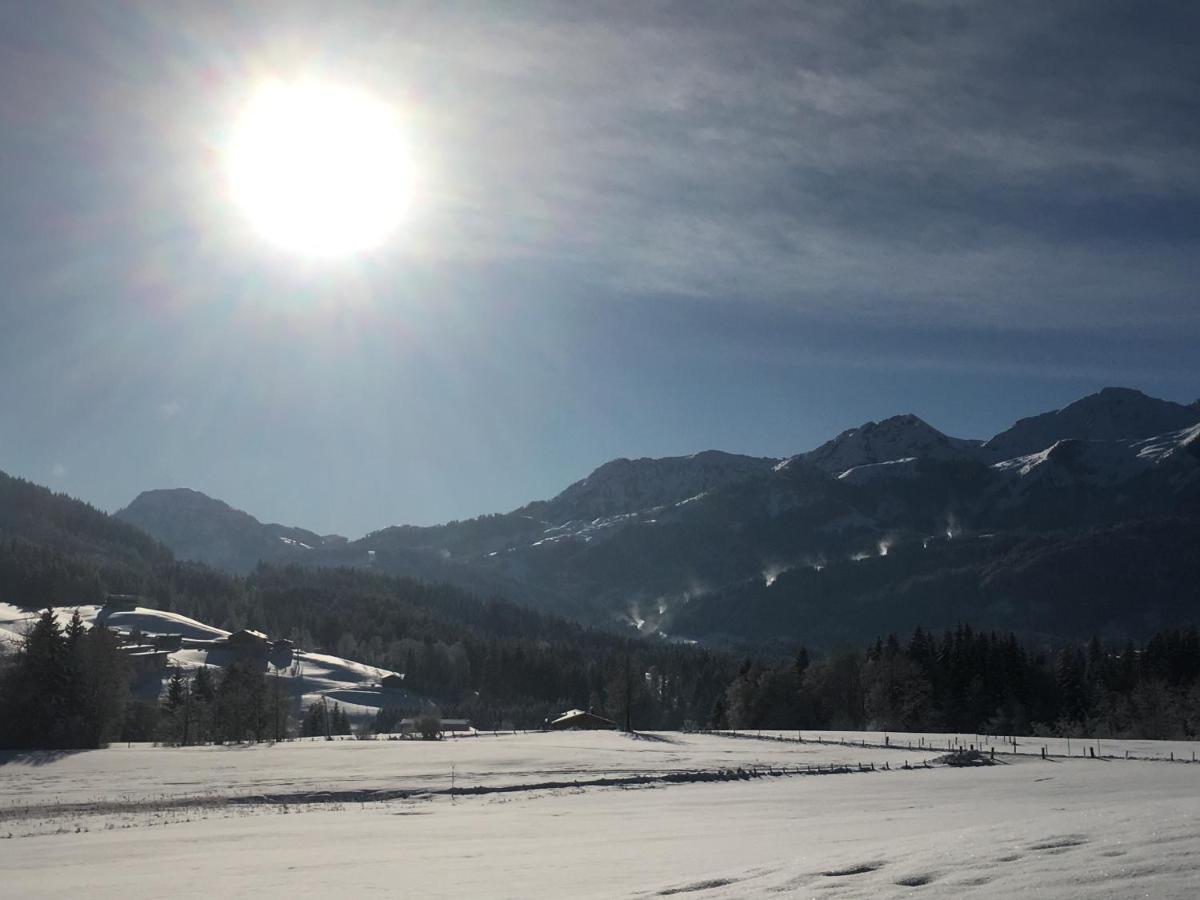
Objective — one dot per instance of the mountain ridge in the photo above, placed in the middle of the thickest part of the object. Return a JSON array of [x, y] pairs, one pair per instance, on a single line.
[[897, 437], [1110, 414], [637, 539]]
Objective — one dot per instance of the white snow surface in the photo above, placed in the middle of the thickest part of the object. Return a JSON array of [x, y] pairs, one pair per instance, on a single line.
[[893, 468], [17, 620], [149, 621], [1064, 828], [157, 621]]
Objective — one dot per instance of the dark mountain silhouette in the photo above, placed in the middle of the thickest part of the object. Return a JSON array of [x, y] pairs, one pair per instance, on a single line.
[[656, 544], [195, 526]]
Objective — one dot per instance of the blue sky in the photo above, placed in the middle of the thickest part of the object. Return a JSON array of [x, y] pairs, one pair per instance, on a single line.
[[641, 229]]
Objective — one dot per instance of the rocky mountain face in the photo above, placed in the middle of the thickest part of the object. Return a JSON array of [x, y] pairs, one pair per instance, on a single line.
[[897, 438], [627, 485], [891, 517], [1112, 414]]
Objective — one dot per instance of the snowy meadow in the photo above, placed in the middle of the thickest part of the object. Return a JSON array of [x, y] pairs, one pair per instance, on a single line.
[[598, 814]]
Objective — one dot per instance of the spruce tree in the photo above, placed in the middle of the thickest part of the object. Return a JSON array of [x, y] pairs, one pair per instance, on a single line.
[[48, 683], [176, 690], [202, 685]]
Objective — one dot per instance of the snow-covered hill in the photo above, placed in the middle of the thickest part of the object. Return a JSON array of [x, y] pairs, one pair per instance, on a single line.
[[311, 676]]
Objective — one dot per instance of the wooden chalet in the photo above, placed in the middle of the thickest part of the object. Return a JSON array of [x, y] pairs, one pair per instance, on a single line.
[[248, 642]]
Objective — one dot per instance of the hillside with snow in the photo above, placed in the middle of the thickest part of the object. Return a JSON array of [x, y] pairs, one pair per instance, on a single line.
[[310, 677]]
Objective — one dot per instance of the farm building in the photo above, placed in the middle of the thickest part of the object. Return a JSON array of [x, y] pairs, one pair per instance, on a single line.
[[248, 642], [120, 603], [167, 641], [145, 660], [577, 718]]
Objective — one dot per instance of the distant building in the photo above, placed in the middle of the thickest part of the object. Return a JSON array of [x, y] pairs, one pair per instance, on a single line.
[[167, 641], [248, 642], [581, 720], [120, 603], [144, 660], [392, 682]]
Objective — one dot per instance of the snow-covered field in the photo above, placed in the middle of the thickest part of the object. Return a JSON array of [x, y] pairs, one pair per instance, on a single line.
[[144, 772], [1056, 828]]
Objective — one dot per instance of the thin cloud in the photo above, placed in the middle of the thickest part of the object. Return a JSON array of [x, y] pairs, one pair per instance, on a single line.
[[962, 160]]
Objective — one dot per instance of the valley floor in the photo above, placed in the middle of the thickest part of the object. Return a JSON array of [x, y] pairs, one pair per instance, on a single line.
[[226, 821]]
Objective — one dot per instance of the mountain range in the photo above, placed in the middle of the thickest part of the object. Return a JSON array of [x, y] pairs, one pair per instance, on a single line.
[[891, 522]]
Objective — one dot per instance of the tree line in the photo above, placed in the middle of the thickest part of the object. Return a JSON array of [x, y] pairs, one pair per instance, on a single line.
[[969, 681], [64, 688]]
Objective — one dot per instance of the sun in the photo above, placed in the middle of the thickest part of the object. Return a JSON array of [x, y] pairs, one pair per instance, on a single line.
[[319, 169]]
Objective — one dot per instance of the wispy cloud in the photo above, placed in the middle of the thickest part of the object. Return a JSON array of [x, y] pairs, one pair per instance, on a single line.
[[962, 159]]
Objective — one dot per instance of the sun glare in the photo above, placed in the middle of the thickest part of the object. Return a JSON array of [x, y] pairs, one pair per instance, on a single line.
[[320, 170]]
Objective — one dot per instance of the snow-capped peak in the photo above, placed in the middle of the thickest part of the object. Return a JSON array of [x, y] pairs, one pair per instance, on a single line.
[[899, 437], [1113, 414], [1100, 462]]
